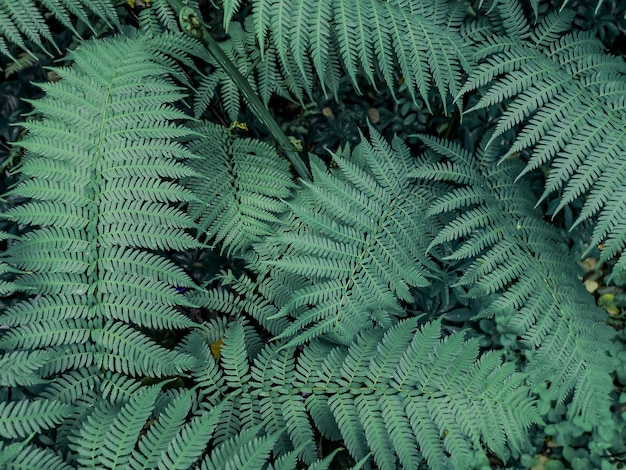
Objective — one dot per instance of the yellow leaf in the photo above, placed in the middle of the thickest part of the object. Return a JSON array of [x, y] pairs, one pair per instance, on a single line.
[[591, 286], [607, 302], [216, 348], [239, 125], [541, 462], [139, 3]]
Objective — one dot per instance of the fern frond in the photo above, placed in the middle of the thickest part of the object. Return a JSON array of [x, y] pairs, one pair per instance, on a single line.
[[190, 441], [242, 52], [353, 240], [559, 92], [18, 419], [244, 451], [526, 263], [21, 367], [21, 455], [127, 350], [86, 442], [301, 434], [72, 385], [244, 183], [427, 397], [117, 388], [374, 38], [256, 299], [160, 433], [233, 356], [101, 170], [120, 439], [45, 334], [24, 20]]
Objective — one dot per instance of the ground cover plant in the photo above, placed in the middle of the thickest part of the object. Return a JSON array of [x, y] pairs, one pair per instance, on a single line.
[[312, 234]]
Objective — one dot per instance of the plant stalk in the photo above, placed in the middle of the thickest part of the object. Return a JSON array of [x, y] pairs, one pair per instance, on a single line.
[[191, 24]]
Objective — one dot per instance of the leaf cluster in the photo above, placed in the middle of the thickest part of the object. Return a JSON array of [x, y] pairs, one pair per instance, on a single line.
[[157, 151]]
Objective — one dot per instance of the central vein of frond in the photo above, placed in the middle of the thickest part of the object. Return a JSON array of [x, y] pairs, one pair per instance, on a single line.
[[97, 178], [369, 241]]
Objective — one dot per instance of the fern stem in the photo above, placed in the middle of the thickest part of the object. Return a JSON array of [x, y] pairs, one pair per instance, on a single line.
[[191, 24]]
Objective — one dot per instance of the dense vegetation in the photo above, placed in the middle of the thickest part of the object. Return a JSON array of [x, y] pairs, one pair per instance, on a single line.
[[312, 234]]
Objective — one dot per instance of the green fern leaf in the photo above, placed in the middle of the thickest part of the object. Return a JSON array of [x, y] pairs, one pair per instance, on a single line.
[[72, 385], [546, 306], [21, 367], [127, 350], [298, 426], [162, 432], [233, 356], [324, 464], [230, 7], [120, 439], [563, 90], [86, 441], [45, 334], [103, 186], [23, 456], [243, 182], [190, 441], [21, 418], [373, 38], [244, 451], [353, 241], [371, 416], [25, 20], [118, 389]]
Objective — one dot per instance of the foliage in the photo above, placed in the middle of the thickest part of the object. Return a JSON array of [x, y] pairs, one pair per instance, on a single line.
[[175, 297]]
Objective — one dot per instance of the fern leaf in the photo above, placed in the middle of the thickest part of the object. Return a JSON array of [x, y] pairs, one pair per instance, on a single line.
[[233, 356], [429, 401], [87, 441], [25, 20], [205, 370], [443, 362], [45, 334], [120, 439], [29, 456], [546, 306], [324, 463], [356, 264], [244, 182], [21, 367], [118, 389], [190, 441], [230, 7], [162, 432], [126, 350], [71, 386], [249, 300], [298, 426], [21, 418], [244, 451], [400, 431], [376, 433], [102, 185], [558, 93], [372, 38]]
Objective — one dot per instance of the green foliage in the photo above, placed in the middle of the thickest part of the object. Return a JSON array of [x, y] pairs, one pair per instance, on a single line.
[[242, 184], [546, 307], [327, 334], [356, 238], [24, 22], [319, 38], [573, 93]]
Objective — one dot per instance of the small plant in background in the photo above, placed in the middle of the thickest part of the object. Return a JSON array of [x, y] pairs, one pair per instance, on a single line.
[[312, 234]]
